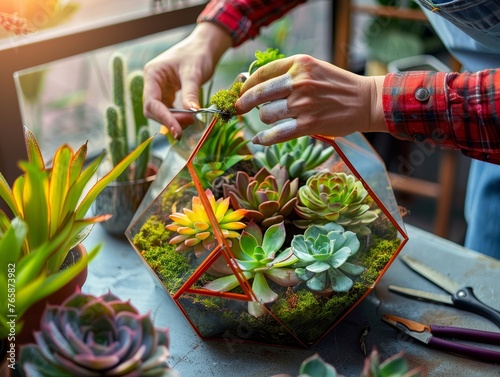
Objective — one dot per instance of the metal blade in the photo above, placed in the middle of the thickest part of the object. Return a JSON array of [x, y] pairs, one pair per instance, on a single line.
[[421, 334], [434, 276], [429, 296]]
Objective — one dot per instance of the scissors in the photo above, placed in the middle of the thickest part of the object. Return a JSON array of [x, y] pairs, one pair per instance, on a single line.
[[430, 335], [459, 296], [193, 110]]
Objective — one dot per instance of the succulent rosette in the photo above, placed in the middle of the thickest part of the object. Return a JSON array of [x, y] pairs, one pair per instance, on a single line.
[[97, 336], [260, 258], [268, 197], [335, 197], [194, 228], [323, 253], [301, 157]]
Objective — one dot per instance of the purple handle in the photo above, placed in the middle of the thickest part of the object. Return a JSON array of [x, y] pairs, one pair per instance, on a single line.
[[466, 334], [462, 349]]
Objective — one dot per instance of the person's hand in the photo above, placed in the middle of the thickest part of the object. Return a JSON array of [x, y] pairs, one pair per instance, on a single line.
[[186, 66], [306, 96]]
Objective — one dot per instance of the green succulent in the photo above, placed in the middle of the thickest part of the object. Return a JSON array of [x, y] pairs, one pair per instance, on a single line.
[[395, 366], [259, 258], [221, 150], [268, 197], [195, 229], [323, 252], [337, 197], [315, 366], [264, 57], [300, 156], [96, 336]]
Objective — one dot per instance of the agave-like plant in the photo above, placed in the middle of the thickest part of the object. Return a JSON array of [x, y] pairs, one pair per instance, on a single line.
[[268, 197], [96, 336], [49, 206], [323, 252], [300, 156], [259, 258], [194, 228], [222, 149], [337, 197]]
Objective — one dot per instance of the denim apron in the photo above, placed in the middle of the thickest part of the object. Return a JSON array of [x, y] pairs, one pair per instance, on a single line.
[[471, 32]]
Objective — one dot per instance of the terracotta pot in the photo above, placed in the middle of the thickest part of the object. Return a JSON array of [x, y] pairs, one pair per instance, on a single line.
[[33, 315], [121, 199]]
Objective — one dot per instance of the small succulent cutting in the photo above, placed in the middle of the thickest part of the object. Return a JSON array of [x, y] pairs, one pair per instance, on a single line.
[[97, 336], [225, 99], [337, 197], [195, 229], [299, 156], [264, 57], [323, 253], [268, 197], [259, 258]]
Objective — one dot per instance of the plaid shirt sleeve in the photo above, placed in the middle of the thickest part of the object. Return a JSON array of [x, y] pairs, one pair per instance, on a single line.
[[456, 110], [244, 18]]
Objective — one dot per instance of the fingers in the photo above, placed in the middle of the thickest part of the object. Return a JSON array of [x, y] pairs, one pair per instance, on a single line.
[[275, 88], [286, 130], [274, 111]]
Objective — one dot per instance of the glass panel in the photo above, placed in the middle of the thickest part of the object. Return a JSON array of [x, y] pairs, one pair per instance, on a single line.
[[66, 101], [228, 319], [371, 167]]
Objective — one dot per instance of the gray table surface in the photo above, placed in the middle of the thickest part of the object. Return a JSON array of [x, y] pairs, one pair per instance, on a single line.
[[120, 269]]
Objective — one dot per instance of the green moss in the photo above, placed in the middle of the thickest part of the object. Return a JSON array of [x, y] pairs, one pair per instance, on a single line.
[[225, 99], [171, 267], [152, 233]]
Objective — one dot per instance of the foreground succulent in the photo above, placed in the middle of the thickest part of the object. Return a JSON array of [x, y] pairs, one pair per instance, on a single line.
[[337, 197], [395, 366], [259, 259], [97, 336], [268, 197], [195, 229], [300, 156], [323, 252]]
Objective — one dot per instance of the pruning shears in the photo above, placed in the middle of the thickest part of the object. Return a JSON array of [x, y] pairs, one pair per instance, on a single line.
[[432, 335], [459, 296]]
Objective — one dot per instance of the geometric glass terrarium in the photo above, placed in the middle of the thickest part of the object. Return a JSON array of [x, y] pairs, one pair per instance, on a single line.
[[271, 245]]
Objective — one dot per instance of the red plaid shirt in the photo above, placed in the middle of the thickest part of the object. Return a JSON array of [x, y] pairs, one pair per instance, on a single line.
[[457, 110], [460, 111], [244, 18]]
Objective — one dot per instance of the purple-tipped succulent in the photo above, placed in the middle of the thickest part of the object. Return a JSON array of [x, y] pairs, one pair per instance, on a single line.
[[97, 336], [269, 197]]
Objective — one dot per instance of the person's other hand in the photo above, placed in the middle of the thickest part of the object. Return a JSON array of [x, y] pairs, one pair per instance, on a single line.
[[186, 66], [302, 95]]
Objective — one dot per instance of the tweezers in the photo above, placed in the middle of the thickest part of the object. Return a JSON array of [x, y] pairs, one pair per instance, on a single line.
[[431, 335]]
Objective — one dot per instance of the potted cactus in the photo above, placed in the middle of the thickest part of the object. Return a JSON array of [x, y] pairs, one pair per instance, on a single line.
[[49, 206], [96, 336], [270, 244], [122, 197]]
